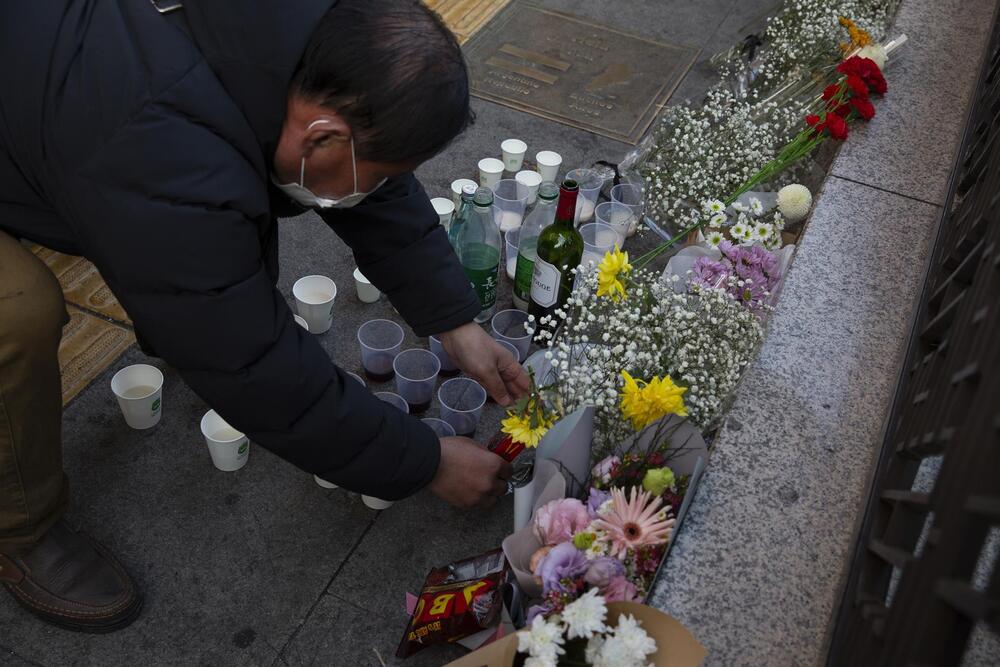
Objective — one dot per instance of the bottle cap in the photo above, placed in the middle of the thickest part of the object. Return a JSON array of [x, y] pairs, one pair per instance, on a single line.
[[469, 189]]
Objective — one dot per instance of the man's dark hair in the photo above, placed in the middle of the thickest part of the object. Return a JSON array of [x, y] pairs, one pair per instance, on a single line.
[[394, 72]]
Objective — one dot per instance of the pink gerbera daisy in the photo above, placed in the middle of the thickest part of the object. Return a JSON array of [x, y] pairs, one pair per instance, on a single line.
[[634, 522]]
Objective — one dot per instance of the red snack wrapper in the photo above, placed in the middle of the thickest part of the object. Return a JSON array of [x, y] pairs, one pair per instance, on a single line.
[[456, 601], [505, 447]]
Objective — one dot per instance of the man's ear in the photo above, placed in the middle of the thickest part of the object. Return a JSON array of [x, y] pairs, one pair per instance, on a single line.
[[323, 132]]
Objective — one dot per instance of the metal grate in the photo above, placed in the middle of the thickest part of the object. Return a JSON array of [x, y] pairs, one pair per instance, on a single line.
[[924, 574]]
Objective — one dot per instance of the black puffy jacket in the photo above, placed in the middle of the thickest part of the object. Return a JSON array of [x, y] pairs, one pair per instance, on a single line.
[[147, 148]]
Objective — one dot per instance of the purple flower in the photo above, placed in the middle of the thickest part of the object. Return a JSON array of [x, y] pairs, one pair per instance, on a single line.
[[602, 570], [564, 562], [595, 500], [539, 609], [709, 273], [621, 589]]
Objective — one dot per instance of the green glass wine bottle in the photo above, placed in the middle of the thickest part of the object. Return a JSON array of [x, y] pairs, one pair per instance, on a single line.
[[540, 217], [560, 248], [478, 250]]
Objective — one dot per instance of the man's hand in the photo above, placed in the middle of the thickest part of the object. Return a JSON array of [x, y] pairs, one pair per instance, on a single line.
[[483, 358], [468, 475]]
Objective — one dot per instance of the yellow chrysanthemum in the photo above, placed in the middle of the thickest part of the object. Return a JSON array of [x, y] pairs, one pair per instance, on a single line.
[[657, 398], [520, 429], [609, 274]]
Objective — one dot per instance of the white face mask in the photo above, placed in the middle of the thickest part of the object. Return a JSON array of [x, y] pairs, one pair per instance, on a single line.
[[306, 197]]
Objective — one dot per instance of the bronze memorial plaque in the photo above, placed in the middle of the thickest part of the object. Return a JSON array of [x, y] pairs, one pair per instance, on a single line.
[[577, 72]]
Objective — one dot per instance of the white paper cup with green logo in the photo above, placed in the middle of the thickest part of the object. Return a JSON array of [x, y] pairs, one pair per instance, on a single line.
[[139, 390], [229, 449]]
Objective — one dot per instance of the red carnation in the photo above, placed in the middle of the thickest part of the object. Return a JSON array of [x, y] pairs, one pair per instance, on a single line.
[[857, 85], [866, 70], [812, 120], [864, 107], [842, 110], [831, 91], [836, 126]]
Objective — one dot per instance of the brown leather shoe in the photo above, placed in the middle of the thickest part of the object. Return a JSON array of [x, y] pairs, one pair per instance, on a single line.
[[71, 581]]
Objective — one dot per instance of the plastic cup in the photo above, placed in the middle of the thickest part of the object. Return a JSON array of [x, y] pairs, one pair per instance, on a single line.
[[367, 293], [314, 297], [394, 400], [630, 195], [514, 352], [371, 502], [490, 172], [442, 428], [416, 374], [444, 208], [548, 164], [619, 216], [360, 380], [509, 326], [529, 181], [512, 238], [448, 367], [139, 390], [462, 401], [598, 239], [513, 151], [590, 183], [456, 189], [509, 204], [229, 449], [325, 484], [301, 321], [381, 341]]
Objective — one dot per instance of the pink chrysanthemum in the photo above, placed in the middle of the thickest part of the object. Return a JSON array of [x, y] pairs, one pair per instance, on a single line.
[[634, 522]]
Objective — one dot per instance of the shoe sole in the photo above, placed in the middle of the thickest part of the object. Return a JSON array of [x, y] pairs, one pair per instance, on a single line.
[[58, 621]]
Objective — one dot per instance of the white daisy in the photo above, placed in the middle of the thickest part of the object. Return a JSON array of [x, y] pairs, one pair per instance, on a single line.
[[715, 238], [717, 220], [739, 230], [756, 206], [763, 231], [714, 206]]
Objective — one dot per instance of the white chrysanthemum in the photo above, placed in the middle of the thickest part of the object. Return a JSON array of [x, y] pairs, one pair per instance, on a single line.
[[762, 231], [614, 653], [638, 643], [546, 661], [717, 220], [593, 649], [715, 238], [794, 202], [714, 206], [756, 206], [585, 616], [543, 639], [739, 230], [874, 52]]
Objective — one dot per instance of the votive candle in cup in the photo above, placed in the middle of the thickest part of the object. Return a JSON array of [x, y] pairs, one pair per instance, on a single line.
[[456, 189], [367, 293], [512, 238], [444, 208], [462, 401], [229, 449], [139, 390], [490, 172], [598, 240], [590, 183], [529, 182], [548, 163], [314, 296], [416, 373], [513, 151], [509, 204], [448, 367], [381, 341], [440, 427], [616, 215], [512, 326], [630, 195]]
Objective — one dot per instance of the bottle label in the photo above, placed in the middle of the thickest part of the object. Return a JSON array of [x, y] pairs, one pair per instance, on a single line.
[[484, 282], [545, 280], [522, 277]]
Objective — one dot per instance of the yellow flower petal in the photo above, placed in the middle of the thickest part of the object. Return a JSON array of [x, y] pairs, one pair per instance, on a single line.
[[643, 405], [609, 273]]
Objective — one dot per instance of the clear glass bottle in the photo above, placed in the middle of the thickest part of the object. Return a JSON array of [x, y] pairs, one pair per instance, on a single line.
[[543, 215], [479, 251], [461, 214]]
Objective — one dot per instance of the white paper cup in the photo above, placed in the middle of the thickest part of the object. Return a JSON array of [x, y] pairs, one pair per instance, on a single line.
[[314, 297], [139, 390], [301, 322], [374, 503], [229, 449], [367, 292], [456, 189], [490, 172], [529, 180], [513, 151], [548, 164], [325, 484], [444, 207]]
